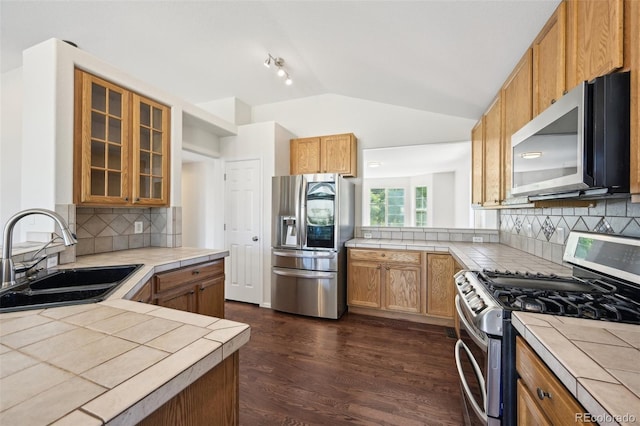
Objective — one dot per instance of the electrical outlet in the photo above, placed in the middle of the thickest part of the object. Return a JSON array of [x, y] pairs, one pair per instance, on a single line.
[[560, 235], [367, 235], [137, 227], [478, 239]]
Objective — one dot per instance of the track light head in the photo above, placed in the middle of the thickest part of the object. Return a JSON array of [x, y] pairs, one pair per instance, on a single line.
[[279, 63]]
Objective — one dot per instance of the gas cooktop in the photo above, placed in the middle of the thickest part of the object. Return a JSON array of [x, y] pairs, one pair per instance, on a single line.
[[594, 298]]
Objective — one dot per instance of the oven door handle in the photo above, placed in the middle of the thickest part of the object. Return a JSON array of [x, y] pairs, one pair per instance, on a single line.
[[478, 339], [480, 412]]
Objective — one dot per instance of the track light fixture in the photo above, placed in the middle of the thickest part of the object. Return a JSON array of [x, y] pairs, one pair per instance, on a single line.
[[279, 63]]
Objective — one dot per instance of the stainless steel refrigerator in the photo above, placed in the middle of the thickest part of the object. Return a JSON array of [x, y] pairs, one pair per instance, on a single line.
[[313, 216]]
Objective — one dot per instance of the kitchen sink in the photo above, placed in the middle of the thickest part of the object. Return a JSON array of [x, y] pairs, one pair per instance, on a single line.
[[65, 287]]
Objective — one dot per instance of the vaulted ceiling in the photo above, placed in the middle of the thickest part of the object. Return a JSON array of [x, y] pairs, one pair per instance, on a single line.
[[448, 56]]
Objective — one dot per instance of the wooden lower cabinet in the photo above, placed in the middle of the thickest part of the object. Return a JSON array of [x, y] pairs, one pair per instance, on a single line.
[[440, 288], [211, 400], [196, 288], [404, 284], [542, 398]]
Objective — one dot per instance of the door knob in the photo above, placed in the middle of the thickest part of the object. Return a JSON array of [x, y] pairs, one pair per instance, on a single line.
[[254, 238]]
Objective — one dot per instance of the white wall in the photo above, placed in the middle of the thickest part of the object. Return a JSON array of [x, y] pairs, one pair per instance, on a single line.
[[10, 147], [202, 218]]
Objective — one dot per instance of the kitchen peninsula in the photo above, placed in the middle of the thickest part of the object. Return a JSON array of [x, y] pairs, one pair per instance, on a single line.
[[120, 361]]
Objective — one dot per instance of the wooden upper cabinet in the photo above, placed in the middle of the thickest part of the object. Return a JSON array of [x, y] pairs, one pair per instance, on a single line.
[[305, 156], [595, 38], [477, 163], [493, 167], [549, 69], [101, 151], [516, 110], [324, 154], [338, 154], [121, 147], [150, 151], [632, 41]]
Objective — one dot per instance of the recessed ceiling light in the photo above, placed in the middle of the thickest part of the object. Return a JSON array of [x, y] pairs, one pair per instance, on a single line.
[[530, 155]]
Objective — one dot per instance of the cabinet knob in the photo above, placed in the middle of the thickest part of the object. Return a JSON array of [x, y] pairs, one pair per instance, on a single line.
[[196, 272], [383, 255], [126, 198], [379, 266], [387, 268], [137, 198], [543, 394], [192, 292], [553, 101]]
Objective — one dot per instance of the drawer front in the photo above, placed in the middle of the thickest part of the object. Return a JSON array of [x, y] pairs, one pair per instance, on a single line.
[[554, 399], [399, 256], [169, 280]]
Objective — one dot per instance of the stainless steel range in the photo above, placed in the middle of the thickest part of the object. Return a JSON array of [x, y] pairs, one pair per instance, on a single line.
[[605, 286]]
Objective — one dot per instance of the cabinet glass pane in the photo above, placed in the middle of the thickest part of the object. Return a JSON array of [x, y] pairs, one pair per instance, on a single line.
[[114, 184], [115, 103], [98, 97], [157, 187], [97, 182], [98, 125], [144, 186], [145, 166], [115, 130], [157, 119], [145, 115], [157, 141], [97, 153], [156, 165], [115, 155], [145, 139]]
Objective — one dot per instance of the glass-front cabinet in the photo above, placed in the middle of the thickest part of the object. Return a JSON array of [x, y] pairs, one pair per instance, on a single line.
[[121, 146], [150, 151]]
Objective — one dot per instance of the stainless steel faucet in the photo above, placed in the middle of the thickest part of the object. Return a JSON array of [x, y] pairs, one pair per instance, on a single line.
[[8, 270]]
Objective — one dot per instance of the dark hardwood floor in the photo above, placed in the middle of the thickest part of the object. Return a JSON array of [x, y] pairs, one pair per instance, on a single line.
[[358, 370]]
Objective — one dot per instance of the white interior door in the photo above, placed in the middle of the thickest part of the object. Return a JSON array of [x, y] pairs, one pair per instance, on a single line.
[[242, 218]]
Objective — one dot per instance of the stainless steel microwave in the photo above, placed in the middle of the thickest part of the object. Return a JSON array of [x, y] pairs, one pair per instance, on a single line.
[[578, 145]]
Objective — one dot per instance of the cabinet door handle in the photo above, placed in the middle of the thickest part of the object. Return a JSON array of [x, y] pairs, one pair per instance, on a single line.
[[553, 101], [543, 394], [196, 272]]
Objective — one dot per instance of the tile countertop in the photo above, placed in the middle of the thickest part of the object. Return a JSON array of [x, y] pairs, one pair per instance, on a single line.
[[597, 361], [111, 362], [476, 256]]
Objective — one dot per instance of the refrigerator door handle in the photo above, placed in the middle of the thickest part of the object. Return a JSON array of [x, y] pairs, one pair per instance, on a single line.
[[315, 255], [302, 274]]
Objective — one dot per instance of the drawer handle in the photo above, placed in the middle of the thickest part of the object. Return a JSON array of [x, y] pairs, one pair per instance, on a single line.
[[196, 272], [542, 394]]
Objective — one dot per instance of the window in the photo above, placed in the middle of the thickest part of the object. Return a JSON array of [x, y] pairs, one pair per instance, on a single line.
[[386, 206], [421, 206]]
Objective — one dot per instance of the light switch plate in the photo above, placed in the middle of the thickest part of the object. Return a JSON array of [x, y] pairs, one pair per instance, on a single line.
[[137, 227], [560, 235]]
